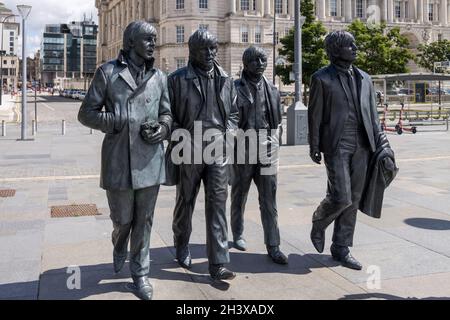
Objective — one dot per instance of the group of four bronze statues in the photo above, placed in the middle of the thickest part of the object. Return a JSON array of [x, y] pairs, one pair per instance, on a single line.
[[138, 107]]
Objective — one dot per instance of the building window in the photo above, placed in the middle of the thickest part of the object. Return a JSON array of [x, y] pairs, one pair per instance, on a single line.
[[254, 5], [180, 34], [278, 6], [397, 9], [203, 27], [440, 37], [430, 12], [245, 5], [180, 62], [333, 8], [203, 4], [406, 9], [179, 4], [258, 34], [11, 33], [244, 34], [163, 6], [359, 9]]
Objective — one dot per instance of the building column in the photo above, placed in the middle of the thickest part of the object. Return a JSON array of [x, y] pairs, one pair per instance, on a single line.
[[284, 6], [384, 14], [320, 9], [420, 17], [261, 7], [267, 7], [425, 11], [233, 6], [412, 10], [435, 12], [292, 8], [141, 9], [402, 10], [390, 11], [348, 11], [444, 12], [339, 8]]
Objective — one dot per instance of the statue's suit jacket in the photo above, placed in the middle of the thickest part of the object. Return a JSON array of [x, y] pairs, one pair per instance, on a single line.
[[186, 103], [117, 106], [328, 109]]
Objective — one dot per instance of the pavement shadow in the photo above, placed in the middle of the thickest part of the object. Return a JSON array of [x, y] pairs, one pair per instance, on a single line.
[[428, 223], [94, 280], [384, 296]]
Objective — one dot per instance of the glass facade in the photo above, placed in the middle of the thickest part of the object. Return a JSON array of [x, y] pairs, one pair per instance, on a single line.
[[71, 44]]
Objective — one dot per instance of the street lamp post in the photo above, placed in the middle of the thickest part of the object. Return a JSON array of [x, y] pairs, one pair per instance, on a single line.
[[297, 118], [24, 11], [2, 53]]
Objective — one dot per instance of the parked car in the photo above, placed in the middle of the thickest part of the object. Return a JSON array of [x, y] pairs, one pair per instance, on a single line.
[[81, 95]]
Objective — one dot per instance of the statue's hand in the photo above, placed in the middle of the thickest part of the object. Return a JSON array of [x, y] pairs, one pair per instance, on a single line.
[[316, 156], [155, 133]]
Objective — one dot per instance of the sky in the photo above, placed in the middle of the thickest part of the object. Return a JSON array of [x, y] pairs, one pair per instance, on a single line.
[[49, 12]]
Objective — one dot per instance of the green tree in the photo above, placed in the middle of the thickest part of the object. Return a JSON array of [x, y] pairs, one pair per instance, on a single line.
[[434, 52], [380, 51], [313, 51]]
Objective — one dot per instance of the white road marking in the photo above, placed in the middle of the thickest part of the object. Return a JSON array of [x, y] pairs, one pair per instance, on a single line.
[[46, 105], [87, 177]]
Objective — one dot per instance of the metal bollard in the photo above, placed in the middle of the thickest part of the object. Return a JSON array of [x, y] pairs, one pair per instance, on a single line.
[[33, 127], [3, 128], [92, 131], [63, 127]]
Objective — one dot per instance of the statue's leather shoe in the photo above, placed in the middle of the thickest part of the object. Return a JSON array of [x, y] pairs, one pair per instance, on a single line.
[[219, 272], [240, 244], [348, 261], [184, 258], [318, 238], [142, 288], [119, 262], [276, 255]]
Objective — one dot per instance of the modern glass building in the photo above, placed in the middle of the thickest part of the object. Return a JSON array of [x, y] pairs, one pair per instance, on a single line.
[[69, 51]]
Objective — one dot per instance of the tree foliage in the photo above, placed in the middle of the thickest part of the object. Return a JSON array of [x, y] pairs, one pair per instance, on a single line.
[[437, 51], [313, 51], [381, 51]]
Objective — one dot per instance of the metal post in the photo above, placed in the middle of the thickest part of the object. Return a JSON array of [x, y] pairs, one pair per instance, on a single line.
[[63, 128], [298, 53], [24, 85], [91, 131], [33, 128], [3, 128], [274, 39], [35, 106], [1, 71]]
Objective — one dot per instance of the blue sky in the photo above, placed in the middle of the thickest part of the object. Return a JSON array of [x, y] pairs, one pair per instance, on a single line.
[[48, 12]]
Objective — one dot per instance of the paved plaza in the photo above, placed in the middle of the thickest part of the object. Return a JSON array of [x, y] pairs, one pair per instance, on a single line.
[[406, 254]]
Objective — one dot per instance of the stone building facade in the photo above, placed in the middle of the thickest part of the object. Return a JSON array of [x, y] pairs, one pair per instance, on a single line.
[[241, 23]]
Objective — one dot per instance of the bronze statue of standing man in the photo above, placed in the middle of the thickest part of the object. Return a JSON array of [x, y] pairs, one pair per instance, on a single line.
[[128, 100], [202, 92], [344, 126], [259, 111]]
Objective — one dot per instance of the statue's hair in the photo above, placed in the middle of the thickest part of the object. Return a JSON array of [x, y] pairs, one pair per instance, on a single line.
[[253, 53], [201, 38], [134, 29], [335, 40]]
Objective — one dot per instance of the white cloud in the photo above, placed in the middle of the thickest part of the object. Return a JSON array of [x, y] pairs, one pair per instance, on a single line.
[[50, 12]]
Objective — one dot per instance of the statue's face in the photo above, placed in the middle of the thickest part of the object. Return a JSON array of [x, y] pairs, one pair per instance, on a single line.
[[348, 52], [257, 66], [204, 56], [144, 45]]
